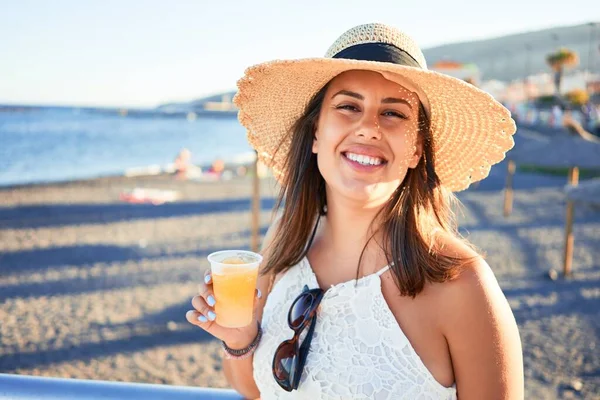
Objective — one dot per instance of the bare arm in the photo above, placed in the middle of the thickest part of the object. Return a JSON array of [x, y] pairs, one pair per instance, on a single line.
[[483, 337], [239, 373]]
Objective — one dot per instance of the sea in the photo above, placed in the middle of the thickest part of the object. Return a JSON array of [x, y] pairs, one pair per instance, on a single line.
[[39, 145]]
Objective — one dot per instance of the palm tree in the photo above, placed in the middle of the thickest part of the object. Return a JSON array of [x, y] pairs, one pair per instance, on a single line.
[[560, 60]]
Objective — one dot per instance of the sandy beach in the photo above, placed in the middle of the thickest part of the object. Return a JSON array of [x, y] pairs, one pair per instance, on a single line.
[[92, 287]]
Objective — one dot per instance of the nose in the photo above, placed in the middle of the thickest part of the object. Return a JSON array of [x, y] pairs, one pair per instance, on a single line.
[[369, 128]]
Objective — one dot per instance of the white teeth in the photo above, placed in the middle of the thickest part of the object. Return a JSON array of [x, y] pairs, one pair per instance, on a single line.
[[364, 160]]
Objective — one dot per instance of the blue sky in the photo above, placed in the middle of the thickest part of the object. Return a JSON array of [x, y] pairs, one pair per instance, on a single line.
[[143, 53]]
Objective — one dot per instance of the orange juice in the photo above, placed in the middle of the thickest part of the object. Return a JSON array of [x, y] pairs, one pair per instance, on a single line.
[[234, 292], [234, 285]]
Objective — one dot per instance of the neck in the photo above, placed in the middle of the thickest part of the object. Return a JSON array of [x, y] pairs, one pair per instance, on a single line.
[[347, 229]]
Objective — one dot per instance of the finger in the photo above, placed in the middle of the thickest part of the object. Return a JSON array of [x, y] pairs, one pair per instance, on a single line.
[[257, 296], [195, 318], [203, 308], [207, 277], [207, 294]]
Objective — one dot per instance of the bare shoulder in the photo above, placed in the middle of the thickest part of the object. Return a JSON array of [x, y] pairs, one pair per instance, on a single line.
[[475, 281], [451, 245], [480, 329], [474, 294]]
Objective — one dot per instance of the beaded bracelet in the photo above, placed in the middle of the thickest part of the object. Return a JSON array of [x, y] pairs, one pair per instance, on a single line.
[[234, 354]]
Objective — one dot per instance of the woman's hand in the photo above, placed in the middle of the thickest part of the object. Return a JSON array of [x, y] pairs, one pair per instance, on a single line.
[[204, 316]]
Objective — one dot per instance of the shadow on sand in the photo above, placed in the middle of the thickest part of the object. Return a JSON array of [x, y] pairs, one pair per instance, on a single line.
[[56, 215]]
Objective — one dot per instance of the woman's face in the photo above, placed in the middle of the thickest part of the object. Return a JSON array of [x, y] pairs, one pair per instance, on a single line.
[[366, 137]]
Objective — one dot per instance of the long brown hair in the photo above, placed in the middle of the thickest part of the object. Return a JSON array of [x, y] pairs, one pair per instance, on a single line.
[[419, 207]]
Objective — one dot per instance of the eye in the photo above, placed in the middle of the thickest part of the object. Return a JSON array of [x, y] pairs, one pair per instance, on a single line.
[[348, 107], [396, 114]]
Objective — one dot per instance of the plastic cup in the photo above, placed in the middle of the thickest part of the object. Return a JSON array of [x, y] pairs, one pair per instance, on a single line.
[[234, 274]]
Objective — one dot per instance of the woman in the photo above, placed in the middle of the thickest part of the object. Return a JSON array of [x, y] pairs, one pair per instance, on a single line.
[[366, 290]]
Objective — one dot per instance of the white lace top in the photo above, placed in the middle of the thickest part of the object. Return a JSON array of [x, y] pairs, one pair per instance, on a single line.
[[358, 350]]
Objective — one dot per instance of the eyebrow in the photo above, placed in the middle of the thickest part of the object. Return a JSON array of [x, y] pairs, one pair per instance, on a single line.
[[387, 100]]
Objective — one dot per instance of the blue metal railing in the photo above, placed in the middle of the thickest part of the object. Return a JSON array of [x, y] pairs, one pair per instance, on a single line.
[[22, 387]]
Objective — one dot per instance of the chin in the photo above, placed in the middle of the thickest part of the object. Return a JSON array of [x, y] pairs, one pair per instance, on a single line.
[[365, 192]]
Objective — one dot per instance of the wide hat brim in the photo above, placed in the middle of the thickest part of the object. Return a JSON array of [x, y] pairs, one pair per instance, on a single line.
[[471, 130]]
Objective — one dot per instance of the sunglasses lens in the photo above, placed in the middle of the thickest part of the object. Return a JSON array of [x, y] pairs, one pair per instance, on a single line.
[[300, 310], [285, 363]]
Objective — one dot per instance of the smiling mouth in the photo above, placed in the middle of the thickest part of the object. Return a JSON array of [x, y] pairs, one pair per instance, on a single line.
[[366, 161]]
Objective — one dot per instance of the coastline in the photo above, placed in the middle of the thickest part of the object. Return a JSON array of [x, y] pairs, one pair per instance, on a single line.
[[240, 160]]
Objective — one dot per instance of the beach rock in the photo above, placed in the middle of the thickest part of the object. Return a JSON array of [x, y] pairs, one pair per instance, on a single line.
[[576, 385], [172, 326]]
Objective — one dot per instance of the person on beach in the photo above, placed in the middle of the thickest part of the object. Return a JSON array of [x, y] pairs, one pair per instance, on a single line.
[[217, 168], [183, 163], [366, 290]]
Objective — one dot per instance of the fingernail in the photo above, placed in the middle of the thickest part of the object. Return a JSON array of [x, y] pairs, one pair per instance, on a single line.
[[207, 279], [210, 300], [258, 293], [202, 318], [212, 315]]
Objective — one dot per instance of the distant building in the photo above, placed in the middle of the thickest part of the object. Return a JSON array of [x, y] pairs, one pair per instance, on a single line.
[[593, 86], [221, 103], [225, 104], [543, 85], [467, 72], [494, 87]]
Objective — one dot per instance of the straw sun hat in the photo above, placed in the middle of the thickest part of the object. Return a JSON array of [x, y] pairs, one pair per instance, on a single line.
[[471, 130]]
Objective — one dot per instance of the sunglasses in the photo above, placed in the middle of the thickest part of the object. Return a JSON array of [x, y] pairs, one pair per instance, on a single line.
[[290, 357]]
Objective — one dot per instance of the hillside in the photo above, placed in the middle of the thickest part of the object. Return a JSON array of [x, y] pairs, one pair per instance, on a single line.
[[505, 58]]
